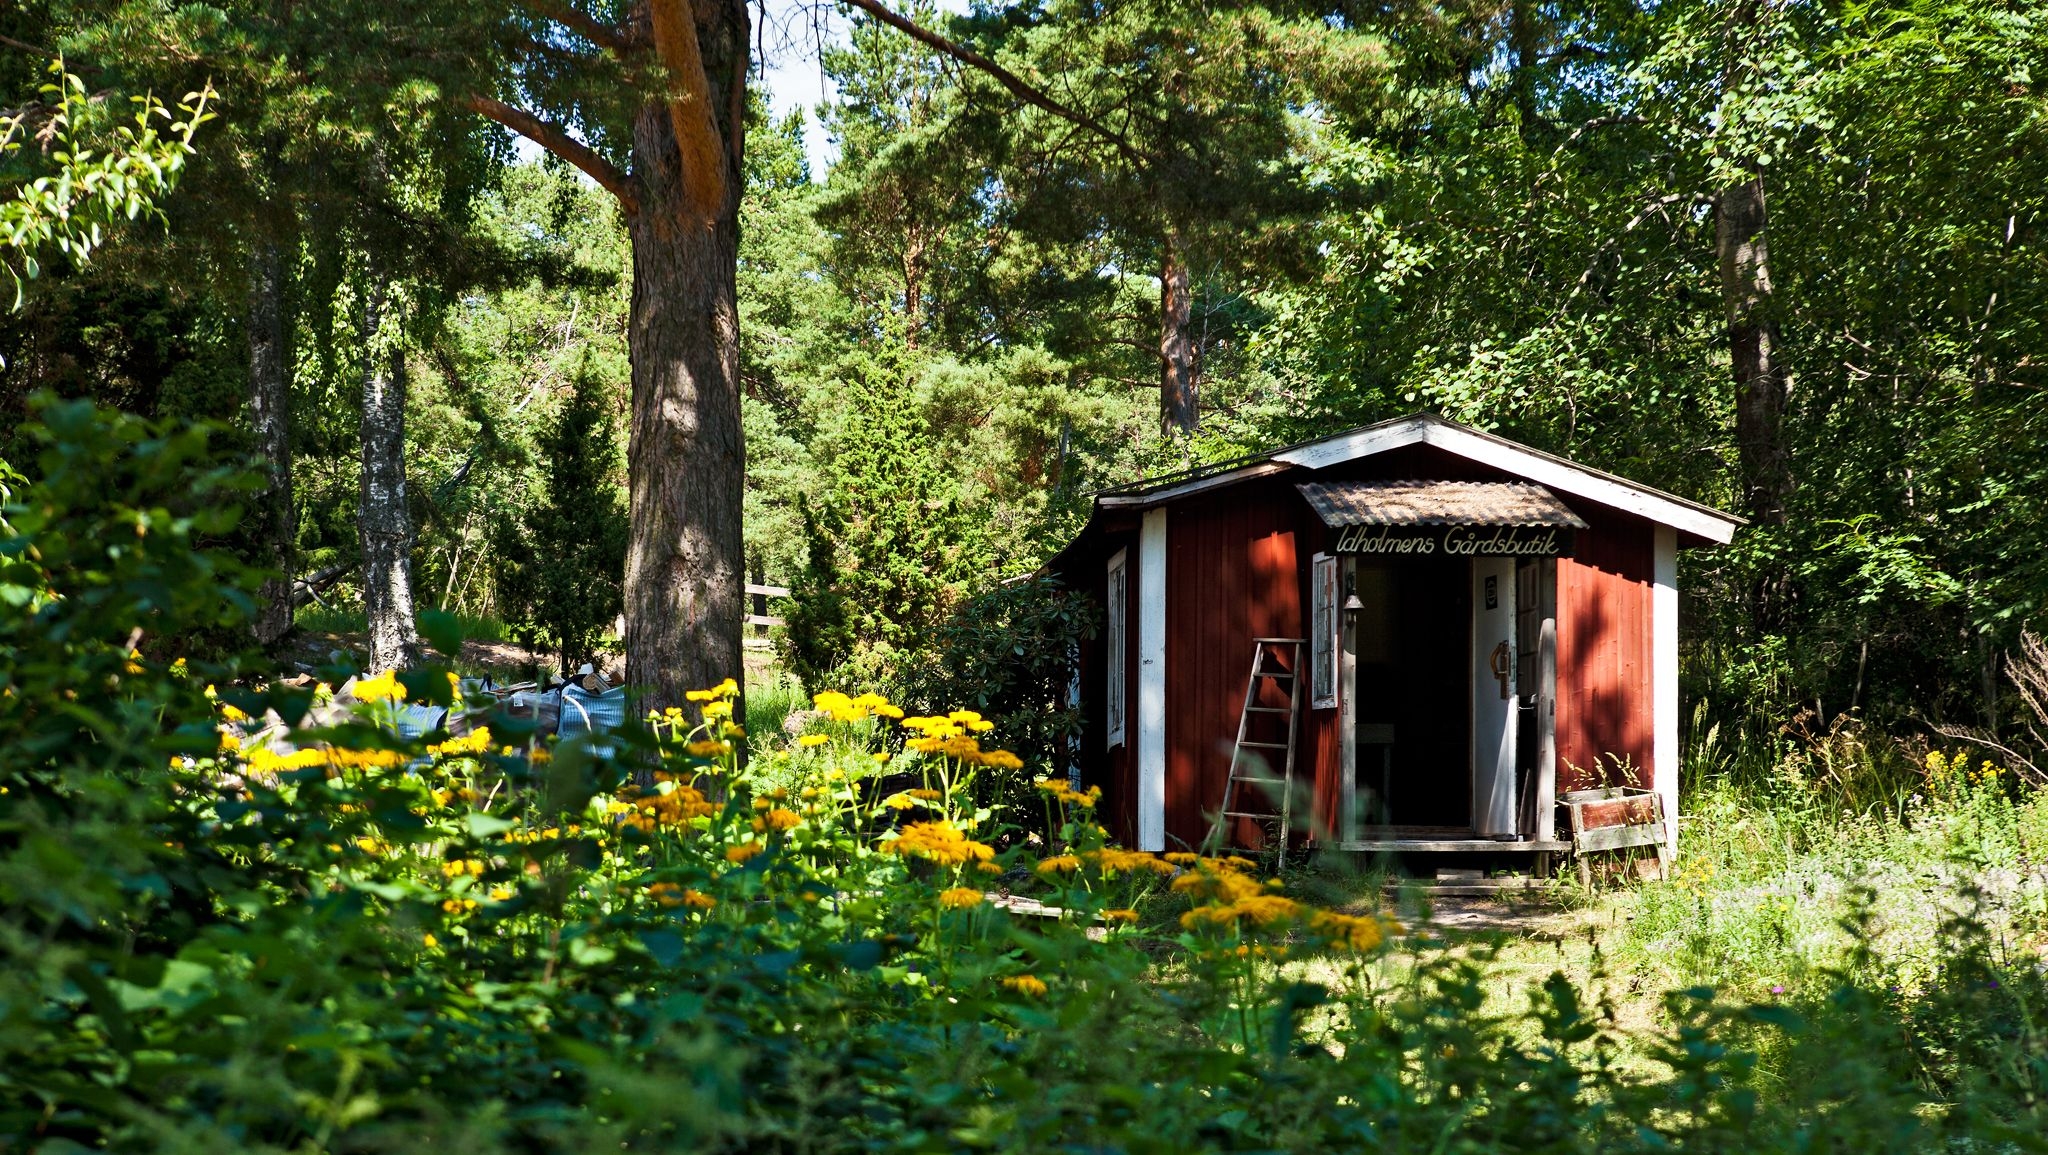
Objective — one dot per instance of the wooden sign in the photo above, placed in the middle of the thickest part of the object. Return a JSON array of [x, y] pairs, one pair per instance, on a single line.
[[1454, 541]]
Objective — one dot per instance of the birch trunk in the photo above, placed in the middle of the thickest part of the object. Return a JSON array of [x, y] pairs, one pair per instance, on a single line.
[[270, 414], [381, 515]]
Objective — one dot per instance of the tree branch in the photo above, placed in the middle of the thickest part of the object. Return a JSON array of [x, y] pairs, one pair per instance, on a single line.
[[557, 140], [1022, 89], [689, 109], [585, 25]]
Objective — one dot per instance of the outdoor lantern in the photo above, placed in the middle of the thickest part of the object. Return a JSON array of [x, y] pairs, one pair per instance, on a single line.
[[1352, 602]]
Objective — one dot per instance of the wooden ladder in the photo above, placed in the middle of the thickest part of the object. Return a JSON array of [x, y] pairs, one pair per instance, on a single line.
[[1240, 770]]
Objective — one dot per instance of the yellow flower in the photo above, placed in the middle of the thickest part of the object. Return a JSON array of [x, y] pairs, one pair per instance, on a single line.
[[430, 941], [229, 744], [698, 899], [721, 691], [666, 893], [707, 748], [901, 800], [780, 819], [384, 685], [1004, 760], [1028, 985], [881, 755], [960, 898], [812, 740], [500, 893], [1264, 909], [674, 807], [743, 852], [135, 665], [1060, 791], [1110, 860], [1352, 932], [228, 713], [1120, 916], [941, 842], [477, 741], [1059, 864]]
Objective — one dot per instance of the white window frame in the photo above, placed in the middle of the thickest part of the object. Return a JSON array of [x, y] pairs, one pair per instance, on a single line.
[[1324, 626], [1116, 649]]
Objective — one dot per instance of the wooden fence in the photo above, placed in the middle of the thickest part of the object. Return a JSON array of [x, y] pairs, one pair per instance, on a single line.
[[760, 619]]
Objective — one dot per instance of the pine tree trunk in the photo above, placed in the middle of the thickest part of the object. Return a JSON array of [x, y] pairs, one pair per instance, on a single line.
[[270, 414], [685, 569], [1178, 414], [1761, 386], [381, 516]]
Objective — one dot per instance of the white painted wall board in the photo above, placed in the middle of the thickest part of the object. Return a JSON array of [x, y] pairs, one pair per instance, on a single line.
[[1664, 752], [1151, 738]]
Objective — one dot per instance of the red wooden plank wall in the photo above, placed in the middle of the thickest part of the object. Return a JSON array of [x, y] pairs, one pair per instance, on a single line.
[[1231, 576], [1604, 603]]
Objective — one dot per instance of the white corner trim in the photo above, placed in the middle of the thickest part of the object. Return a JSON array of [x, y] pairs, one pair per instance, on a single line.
[[1150, 747], [1554, 473], [1664, 753]]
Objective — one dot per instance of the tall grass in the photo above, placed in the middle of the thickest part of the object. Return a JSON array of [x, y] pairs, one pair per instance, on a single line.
[[769, 702], [1849, 856]]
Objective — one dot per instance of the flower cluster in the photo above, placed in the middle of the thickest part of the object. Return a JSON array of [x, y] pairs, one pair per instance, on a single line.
[[776, 819], [1110, 860], [1359, 933], [960, 898], [384, 686], [266, 761], [546, 834], [844, 709], [939, 842], [1059, 791], [670, 894], [477, 741], [675, 806], [1027, 985]]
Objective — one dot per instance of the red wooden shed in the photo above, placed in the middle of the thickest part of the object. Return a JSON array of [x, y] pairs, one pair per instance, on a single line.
[[1472, 626]]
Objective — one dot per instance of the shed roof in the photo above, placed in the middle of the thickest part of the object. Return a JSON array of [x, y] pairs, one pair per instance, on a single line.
[[1503, 503], [1695, 522]]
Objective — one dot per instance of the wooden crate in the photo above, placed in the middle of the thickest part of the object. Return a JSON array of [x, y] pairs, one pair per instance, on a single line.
[[1615, 818]]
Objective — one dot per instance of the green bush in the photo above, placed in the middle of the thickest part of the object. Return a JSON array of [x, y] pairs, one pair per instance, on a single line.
[[1008, 654], [889, 544], [491, 942], [560, 572]]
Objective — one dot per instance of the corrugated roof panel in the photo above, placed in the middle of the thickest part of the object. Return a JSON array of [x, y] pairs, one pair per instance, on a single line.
[[1342, 503]]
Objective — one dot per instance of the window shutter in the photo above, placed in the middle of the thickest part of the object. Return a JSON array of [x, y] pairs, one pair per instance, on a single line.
[[1115, 684], [1323, 626]]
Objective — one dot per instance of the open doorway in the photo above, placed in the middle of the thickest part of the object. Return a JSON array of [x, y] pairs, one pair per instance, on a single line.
[[1409, 697]]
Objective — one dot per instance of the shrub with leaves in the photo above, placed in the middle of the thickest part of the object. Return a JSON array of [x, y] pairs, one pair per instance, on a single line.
[[222, 929]]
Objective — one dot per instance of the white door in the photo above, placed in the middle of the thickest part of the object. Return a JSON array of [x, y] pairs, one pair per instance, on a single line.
[[1493, 696]]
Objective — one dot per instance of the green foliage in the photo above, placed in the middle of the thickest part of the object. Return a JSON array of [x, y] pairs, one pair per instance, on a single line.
[[889, 542], [561, 567], [1009, 654], [211, 941], [90, 171]]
